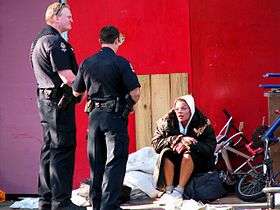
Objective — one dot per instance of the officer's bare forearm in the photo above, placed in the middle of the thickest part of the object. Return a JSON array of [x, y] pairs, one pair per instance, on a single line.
[[135, 94], [67, 76]]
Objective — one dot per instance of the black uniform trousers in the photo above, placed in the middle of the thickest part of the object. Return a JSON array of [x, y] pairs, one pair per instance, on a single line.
[[108, 153], [57, 152]]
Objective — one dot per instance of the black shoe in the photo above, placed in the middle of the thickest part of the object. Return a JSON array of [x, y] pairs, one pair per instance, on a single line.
[[44, 206], [71, 206]]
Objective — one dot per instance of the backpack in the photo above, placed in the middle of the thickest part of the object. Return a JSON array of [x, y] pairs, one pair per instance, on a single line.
[[205, 187]]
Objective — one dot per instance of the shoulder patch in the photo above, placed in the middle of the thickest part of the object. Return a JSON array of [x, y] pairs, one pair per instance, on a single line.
[[63, 47]]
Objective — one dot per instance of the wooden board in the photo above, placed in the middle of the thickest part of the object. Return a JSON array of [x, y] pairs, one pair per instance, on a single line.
[[273, 104], [178, 86], [158, 92], [143, 114]]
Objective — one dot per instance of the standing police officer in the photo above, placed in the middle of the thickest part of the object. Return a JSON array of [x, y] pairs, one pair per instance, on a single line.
[[112, 89], [54, 65]]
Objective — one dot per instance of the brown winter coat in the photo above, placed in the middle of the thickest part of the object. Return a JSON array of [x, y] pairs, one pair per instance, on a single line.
[[167, 131]]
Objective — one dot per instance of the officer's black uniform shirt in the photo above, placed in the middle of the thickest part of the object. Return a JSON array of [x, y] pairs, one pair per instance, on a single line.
[[105, 75], [50, 53]]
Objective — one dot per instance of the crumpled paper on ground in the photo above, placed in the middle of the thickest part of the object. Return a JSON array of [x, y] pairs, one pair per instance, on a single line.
[[28, 203]]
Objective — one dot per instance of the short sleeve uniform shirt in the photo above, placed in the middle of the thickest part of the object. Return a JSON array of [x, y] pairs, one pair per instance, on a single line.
[[50, 53], [105, 75]]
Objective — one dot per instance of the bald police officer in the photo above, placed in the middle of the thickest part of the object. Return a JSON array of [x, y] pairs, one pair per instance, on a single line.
[[54, 64], [112, 88]]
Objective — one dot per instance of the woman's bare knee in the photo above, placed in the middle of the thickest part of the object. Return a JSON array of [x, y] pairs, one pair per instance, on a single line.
[[187, 159]]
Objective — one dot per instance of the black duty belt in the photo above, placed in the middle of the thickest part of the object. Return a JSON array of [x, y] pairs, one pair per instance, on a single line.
[[110, 104], [50, 93]]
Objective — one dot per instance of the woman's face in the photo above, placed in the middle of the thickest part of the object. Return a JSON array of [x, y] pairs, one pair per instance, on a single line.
[[182, 111]]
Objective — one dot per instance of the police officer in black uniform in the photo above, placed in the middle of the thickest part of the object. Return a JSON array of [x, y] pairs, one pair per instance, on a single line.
[[112, 88], [54, 65]]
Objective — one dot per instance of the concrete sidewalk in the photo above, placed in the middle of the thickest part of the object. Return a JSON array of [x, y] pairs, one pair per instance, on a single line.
[[228, 202]]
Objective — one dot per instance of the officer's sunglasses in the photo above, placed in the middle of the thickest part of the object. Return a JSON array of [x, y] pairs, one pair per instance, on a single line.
[[59, 8]]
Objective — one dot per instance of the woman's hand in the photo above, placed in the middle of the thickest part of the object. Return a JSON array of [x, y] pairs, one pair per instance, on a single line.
[[187, 141], [180, 148], [182, 144], [176, 141]]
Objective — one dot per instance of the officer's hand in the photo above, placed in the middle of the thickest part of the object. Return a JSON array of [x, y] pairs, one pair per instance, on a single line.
[[77, 99]]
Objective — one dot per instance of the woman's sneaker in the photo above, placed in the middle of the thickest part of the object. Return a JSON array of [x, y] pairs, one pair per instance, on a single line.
[[174, 203], [176, 194], [165, 198]]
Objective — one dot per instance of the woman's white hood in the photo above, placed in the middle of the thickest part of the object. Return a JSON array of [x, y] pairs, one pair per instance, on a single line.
[[190, 101]]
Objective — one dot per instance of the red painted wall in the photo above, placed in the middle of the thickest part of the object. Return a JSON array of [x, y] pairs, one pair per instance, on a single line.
[[232, 44], [157, 41]]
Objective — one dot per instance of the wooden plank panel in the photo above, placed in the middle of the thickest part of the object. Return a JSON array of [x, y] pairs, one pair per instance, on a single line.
[[143, 115], [157, 95], [273, 104], [178, 86], [160, 93]]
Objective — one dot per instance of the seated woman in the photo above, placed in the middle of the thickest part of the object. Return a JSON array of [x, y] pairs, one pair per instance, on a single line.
[[186, 142]]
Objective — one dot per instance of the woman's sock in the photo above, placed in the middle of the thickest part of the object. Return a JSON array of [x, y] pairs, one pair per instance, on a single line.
[[169, 189]]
